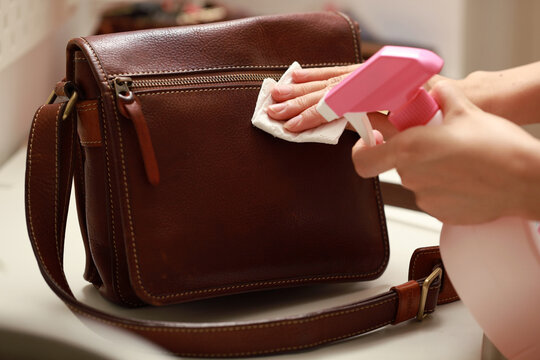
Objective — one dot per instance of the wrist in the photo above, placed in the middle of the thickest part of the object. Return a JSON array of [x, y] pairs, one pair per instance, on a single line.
[[478, 86]]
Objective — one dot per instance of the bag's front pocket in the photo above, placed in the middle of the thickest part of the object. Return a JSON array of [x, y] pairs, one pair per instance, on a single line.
[[235, 209]]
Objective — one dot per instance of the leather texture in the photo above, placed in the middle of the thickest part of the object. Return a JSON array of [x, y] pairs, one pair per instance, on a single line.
[[88, 127], [408, 299], [295, 214], [235, 210]]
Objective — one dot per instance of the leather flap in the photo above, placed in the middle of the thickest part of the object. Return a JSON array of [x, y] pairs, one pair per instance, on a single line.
[[250, 43]]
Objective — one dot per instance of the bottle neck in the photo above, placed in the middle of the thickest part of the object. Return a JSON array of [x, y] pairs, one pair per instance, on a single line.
[[417, 111]]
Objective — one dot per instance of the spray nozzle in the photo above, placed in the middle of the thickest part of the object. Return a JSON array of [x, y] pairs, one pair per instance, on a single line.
[[391, 80]]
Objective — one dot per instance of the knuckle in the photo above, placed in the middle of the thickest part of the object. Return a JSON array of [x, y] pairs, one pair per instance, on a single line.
[[458, 108], [300, 102], [334, 81], [312, 118]]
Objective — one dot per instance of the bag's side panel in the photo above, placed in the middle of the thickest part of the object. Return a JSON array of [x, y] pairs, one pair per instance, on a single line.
[[100, 208]]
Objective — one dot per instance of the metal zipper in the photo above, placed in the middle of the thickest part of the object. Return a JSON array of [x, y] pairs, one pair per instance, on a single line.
[[129, 106], [200, 80]]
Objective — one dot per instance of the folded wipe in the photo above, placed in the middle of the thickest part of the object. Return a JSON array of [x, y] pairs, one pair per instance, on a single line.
[[327, 133]]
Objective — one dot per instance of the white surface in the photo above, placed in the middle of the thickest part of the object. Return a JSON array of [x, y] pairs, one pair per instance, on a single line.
[[26, 301]]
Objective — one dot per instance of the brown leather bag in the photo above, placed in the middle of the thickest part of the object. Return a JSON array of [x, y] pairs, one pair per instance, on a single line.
[[180, 198]]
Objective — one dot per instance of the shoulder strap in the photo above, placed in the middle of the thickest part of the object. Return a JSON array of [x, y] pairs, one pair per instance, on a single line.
[[50, 167]]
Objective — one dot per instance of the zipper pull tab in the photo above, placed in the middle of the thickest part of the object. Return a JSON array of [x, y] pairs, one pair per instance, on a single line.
[[130, 107]]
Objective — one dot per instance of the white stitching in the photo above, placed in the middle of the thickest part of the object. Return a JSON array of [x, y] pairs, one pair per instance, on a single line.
[[116, 279], [82, 105], [287, 348], [418, 255], [355, 40], [96, 57], [382, 224], [29, 201], [234, 328], [197, 90], [83, 110], [84, 142], [56, 185]]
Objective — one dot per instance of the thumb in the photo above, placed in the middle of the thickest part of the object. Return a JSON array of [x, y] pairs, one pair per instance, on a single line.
[[451, 98]]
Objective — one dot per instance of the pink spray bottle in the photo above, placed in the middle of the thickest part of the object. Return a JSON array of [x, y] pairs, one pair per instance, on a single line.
[[495, 267]]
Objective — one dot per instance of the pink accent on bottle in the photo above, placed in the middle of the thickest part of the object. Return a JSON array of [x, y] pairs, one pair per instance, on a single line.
[[418, 111]]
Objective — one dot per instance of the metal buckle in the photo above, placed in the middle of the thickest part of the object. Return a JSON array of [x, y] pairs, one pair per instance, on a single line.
[[437, 273], [70, 105]]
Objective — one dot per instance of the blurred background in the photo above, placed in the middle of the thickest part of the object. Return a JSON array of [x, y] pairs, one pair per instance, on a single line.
[[468, 34]]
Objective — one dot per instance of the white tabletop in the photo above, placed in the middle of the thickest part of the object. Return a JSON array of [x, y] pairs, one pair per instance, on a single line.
[[28, 305]]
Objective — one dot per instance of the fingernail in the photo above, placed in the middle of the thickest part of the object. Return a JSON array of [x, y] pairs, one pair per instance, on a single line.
[[293, 123], [277, 107], [284, 89]]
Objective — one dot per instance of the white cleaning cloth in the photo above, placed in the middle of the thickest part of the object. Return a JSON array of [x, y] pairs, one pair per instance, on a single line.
[[327, 133]]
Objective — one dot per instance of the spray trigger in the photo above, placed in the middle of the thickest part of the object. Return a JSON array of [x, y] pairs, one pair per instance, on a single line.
[[360, 123]]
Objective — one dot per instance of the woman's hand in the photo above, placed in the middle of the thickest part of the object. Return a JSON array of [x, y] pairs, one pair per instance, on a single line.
[[473, 168], [295, 103]]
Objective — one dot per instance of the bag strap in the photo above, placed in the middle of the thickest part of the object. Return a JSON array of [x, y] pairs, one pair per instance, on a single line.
[[49, 173]]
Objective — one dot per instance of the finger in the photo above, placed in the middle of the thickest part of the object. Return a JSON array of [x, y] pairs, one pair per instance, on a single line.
[[379, 138], [370, 161], [377, 135], [291, 108], [433, 80], [450, 98], [285, 92], [308, 119], [380, 122], [315, 74]]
